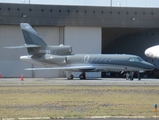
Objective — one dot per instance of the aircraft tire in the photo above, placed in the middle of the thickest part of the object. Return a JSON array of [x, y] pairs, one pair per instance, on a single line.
[[81, 76], [131, 79], [71, 77]]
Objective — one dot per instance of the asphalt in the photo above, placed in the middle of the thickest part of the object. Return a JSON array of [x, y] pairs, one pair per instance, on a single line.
[[76, 81]]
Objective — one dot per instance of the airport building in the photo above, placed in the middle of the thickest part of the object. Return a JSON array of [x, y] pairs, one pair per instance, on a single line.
[[89, 29]]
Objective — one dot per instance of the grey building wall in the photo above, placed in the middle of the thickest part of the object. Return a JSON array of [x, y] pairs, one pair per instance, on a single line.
[[58, 15], [84, 40], [10, 65]]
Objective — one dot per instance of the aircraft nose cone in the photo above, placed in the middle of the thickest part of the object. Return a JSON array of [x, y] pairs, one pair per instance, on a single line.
[[150, 66]]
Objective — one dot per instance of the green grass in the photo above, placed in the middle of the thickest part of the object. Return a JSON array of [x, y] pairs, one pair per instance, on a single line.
[[78, 101]]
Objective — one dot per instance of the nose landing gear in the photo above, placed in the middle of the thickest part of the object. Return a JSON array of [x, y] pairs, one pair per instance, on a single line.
[[130, 75]]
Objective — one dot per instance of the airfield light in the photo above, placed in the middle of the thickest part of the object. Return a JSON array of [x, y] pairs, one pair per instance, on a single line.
[[155, 109]]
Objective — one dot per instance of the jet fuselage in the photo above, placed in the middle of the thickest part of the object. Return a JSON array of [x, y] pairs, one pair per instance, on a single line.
[[101, 62]]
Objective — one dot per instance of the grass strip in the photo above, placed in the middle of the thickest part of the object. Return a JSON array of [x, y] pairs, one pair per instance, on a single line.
[[77, 101]]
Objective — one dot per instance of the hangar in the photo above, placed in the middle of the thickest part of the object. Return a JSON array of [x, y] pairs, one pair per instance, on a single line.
[[89, 29]]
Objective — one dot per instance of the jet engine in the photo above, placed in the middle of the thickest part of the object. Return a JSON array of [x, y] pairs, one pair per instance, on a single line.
[[54, 59], [61, 50]]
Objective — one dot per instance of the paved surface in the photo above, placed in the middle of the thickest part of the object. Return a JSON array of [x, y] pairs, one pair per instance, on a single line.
[[116, 119], [47, 118], [76, 81]]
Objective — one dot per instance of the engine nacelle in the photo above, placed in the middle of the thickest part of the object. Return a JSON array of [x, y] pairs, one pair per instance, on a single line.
[[53, 59], [61, 50]]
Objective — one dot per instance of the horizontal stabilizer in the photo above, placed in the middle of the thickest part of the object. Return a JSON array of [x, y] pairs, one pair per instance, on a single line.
[[64, 68], [23, 46]]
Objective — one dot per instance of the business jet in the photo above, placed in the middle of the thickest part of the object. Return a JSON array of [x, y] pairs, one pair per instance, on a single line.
[[61, 57]]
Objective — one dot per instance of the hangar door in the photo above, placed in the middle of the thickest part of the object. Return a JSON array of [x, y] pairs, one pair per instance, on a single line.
[[10, 65], [84, 40]]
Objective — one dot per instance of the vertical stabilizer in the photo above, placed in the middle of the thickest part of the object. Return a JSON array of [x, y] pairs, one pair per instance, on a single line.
[[31, 37]]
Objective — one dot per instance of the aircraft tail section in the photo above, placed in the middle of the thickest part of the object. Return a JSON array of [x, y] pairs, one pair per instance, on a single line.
[[36, 45], [31, 37]]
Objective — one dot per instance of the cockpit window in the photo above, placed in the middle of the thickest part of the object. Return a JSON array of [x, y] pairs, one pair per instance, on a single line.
[[135, 59]]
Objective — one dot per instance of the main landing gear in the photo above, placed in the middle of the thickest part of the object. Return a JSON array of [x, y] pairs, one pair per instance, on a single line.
[[82, 76], [70, 76]]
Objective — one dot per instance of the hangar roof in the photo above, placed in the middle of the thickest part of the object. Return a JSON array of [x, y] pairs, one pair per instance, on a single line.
[[64, 15]]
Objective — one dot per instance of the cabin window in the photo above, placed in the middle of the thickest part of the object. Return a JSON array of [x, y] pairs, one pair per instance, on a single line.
[[135, 59], [110, 59], [105, 59], [100, 59], [95, 59]]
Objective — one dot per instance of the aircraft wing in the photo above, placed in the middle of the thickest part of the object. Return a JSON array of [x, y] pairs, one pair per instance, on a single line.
[[65, 68], [23, 46]]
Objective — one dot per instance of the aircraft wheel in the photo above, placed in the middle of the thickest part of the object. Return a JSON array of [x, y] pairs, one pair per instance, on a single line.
[[131, 78], [71, 77], [82, 76]]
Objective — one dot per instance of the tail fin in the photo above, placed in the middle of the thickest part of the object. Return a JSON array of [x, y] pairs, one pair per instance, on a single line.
[[31, 37]]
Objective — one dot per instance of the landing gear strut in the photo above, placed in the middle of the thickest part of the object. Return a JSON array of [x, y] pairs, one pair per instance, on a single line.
[[70, 76], [131, 75], [82, 76]]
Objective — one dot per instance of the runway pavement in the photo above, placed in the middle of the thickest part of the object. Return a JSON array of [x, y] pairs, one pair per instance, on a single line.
[[117, 119], [76, 81]]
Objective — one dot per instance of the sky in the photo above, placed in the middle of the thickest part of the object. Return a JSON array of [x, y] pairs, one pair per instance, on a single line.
[[122, 3]]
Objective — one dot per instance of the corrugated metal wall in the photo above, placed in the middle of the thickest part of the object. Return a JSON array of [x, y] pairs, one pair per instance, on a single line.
[[10, 65], [85, 40]]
